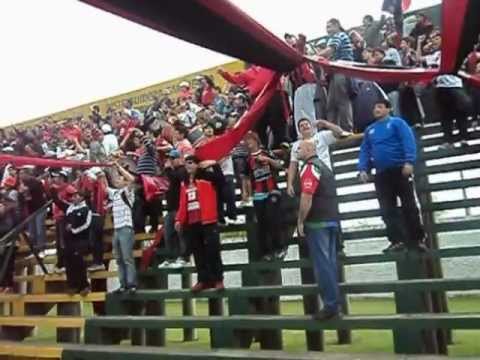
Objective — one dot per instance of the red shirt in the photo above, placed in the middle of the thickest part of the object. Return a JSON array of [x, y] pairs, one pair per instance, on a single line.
[[309, 180], [253, 79], [208, 95], [193, 205]]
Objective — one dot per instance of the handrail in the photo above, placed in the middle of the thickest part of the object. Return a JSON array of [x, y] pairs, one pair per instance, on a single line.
[[4, 241]]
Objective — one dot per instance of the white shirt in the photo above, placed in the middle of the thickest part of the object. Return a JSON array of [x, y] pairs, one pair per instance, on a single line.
[[122, 213], [322, 140], [110, 144], [227, 166], [442, 81]]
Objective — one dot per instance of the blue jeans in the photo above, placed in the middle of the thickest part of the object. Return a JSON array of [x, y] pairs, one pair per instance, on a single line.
[[123, 240], [322, 246], [37, 231]]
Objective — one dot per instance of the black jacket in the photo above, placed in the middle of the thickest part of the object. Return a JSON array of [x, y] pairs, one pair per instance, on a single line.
[[175, 177], [79, 217]]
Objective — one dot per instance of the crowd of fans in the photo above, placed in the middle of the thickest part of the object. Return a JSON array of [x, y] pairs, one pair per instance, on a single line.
[[136, 149]]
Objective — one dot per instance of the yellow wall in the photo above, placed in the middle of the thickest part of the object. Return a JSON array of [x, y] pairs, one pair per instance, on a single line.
[[141, 97]]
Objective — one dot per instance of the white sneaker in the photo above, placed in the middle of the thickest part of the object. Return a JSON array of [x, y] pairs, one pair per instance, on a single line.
[[31, 256], [179, 263], [164, 264], [41, 254], [96, 267], [57, 270], [446, 146]]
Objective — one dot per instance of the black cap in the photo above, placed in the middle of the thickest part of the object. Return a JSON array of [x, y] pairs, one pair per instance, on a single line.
[[193, 158]]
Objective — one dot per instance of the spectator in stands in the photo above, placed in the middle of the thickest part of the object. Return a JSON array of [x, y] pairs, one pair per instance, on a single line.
[[110, 141], [372, 31], [424, 26], [95, 185], [322, 140], [475, 91], [180, 141], [122, 197], [177, 245], [197, 218], [185, 91], [64, 192], [389, 147], [359, 45], [78, 218], [450, 95], [261, 168], [318, 222], [8, 220], [408, 54], [304, 86], [33, 196], [339, 105]]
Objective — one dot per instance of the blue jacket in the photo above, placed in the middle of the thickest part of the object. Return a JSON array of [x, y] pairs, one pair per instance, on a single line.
[[386, 144]]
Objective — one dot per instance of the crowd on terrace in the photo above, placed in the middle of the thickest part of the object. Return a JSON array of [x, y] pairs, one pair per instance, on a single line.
[[309, 112]]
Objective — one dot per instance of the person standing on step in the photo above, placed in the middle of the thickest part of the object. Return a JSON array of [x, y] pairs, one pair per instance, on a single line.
[[197, 219], [261, 169], [63, 189], [123, 197], [389, 146], [78, 218], [318, 222], [178, 247]]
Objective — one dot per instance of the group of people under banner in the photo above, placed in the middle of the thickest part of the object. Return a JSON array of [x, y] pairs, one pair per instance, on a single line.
[[125, 150]]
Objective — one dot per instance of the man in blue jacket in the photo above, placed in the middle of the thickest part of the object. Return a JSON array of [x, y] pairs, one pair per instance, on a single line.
[[389, 147]]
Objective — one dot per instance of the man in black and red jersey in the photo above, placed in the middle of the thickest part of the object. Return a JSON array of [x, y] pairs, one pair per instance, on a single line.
[[197, 217], [261, 168]]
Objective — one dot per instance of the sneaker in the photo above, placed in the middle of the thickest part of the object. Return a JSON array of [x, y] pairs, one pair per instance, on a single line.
[[218, 285], [341, 255], [96, 267], [7, 290], [119, 291], [58, 270], [281, 254], [464, 143], [164, 264], [326, 314], [41, 254], [71, 291], [85, 291], [268, 257], [178, 264], [446, 146], [199, 286], [30, 256], [394, 248], [132, 290]]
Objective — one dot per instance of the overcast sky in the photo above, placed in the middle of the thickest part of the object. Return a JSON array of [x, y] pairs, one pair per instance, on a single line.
[[58, 54]]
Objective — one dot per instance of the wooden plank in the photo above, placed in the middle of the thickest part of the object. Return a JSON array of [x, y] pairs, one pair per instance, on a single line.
[[52, 259], [465, 321], [153, 353], [268, 291], [38, 351], [54, 298], [54, 321]]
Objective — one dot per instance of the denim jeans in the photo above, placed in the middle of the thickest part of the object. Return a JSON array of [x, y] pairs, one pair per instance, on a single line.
[[322, 248], [123, 240], [172, 238], [37, 231]]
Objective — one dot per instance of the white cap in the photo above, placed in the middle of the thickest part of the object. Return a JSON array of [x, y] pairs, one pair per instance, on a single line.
[[184, 83], [106, 128]]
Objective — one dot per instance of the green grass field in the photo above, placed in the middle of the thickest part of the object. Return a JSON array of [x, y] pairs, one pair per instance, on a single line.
[[466, 343]]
